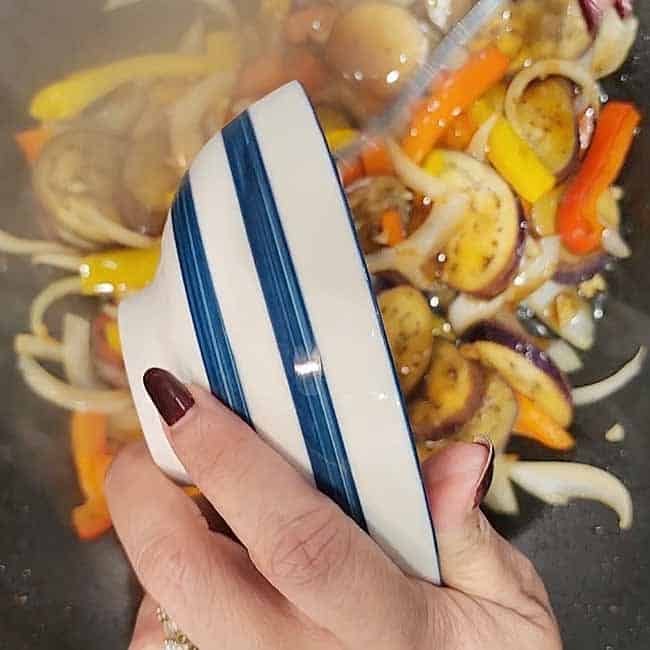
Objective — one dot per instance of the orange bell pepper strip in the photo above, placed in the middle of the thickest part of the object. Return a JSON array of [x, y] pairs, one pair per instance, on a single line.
[[374, 160], [450, 98], [536, 425], [91, 459], [460, 133], [392, 227], [32, 141], [577, 217]]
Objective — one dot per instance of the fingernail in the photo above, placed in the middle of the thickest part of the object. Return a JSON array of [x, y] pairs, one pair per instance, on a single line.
[[485, 480], [170, 396]]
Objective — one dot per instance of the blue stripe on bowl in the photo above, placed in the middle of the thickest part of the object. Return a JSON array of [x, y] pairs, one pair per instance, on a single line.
[[291, 325], [211, 334]]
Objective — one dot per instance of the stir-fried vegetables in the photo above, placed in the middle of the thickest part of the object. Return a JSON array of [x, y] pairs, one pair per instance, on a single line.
[[491, 214], [456, 94]]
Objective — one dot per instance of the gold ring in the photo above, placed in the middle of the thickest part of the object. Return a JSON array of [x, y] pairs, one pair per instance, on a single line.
[[175, 638]]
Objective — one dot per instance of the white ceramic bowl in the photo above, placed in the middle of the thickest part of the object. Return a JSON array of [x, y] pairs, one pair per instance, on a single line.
[[262, 295]]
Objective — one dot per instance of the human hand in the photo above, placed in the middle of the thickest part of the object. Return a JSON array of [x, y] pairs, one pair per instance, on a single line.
[[306, 576]]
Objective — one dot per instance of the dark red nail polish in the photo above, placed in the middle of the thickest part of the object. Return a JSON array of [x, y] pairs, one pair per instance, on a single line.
[[170, 396], [485, 481]]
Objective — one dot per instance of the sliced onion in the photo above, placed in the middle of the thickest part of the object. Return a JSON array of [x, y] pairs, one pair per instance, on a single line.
[[564, 356], [541, 70], [537, 269], [501, 497], [614, 244], [478, 146], [46, 349], [19, 246], [62, 261], [53, 292], [62, 394], [185, 115], [466, 310], [580, 331], [615, 433], [612, 45], [408, 257], [77, 360], [600, 390], [556, 483], [414, 176]]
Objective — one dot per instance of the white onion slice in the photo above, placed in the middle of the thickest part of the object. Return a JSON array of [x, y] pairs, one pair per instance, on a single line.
[[414, 176], [58, 261], [580, 331], [19, 246], [185, 115], [466, 310], [564, 356], [54, 390], [408, 257], [612, 45], [53, 292], [615, 433], [77, 359], [501, 497], [614, 244], [556, 483], [478, 146], [46, 349], [600, 390]]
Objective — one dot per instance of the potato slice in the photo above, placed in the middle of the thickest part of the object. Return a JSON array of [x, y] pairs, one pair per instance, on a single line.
[[409, 324], [548, 122], [496, 416], [454, 391], [523, 366], [482, 256]]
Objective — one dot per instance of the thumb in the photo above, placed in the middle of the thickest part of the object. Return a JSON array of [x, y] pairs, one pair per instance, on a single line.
[[474, 558]]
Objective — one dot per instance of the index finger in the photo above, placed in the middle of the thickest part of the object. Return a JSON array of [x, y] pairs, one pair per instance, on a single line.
[[298, 539]]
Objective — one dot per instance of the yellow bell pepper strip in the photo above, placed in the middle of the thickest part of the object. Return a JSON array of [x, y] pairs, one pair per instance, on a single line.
[[338, 139], [68, 97], [32, 141], [91, 459], [117, 272], [516, 161], [577, 217], [536, 425], [451, 97]]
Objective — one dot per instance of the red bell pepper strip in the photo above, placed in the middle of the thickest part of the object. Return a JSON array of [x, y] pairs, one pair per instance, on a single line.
[[577, 217]]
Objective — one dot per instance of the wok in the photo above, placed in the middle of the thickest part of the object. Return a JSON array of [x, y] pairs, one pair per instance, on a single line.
[[57, 592]]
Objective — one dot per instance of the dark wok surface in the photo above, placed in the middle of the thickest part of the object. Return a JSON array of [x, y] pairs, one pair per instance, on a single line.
[[58, 593]]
